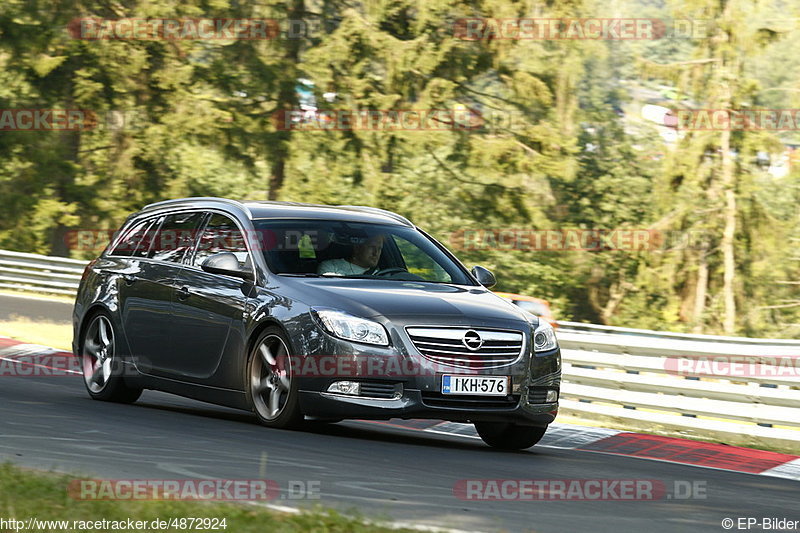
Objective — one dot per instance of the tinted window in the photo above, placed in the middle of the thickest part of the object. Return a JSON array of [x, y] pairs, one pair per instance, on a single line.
[[220, 235], [176, 236], [419, 262], [148, 237], [132, 239]]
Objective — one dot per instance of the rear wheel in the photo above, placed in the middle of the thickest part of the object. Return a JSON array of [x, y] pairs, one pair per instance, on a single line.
[[508, 436], [271, 390], [102, 367]]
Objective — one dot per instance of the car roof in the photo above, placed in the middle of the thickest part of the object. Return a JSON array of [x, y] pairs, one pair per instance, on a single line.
[[262, 209]]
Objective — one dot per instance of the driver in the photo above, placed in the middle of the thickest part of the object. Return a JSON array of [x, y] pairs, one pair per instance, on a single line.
[[364, 258]]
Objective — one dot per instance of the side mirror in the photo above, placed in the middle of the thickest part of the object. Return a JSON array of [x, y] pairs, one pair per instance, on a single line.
[[484, 276], [227, 264]]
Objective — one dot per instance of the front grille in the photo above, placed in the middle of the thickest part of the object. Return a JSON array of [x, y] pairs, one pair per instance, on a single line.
[[447, 346], [436, 399], [377, 389]]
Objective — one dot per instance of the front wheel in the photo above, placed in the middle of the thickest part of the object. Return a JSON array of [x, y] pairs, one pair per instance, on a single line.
[[271, 387], [102, 367], [508, 436]]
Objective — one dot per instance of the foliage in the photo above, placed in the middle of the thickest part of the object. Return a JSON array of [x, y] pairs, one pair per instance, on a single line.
[[555, 141]]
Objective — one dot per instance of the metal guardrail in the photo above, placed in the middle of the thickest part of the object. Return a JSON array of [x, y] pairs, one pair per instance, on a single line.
[[649, 333], [40, 273], [690, 383], [743, 389]]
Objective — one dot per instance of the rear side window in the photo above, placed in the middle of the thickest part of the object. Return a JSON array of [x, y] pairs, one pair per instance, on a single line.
[[220, 235], [176, 236], [148, 236], [133, 239]]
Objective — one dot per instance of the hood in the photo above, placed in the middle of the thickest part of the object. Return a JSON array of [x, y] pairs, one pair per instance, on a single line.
[[457, 304]]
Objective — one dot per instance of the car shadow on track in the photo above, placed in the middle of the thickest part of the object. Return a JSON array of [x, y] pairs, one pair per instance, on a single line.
[[376, 431]]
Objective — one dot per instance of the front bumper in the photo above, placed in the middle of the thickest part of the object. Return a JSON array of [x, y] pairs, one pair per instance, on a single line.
[[417, 383], [415, 404]]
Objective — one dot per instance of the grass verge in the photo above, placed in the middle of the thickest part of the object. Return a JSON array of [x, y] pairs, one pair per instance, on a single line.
[[26, 494]]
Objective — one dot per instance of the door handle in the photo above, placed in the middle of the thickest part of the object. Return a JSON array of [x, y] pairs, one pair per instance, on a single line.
[[130, 279], [183, 293]]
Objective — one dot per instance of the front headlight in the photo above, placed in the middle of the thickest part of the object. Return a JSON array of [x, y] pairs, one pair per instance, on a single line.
[[544, 337], [351, 328]]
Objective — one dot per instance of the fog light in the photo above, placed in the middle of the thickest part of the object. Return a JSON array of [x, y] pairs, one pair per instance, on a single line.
[[552, 396], [352, 388]]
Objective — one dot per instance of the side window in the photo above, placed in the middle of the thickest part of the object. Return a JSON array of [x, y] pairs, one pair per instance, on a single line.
[[220, 235], [420, 263], [148, 237], [176, 236], [131, 240]]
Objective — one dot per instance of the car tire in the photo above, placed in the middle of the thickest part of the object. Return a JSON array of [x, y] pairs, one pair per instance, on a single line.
[[271, 390], [508, 436], [102, 365]]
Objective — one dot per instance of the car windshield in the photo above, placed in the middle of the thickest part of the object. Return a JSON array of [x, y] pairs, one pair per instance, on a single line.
[[341, 249]]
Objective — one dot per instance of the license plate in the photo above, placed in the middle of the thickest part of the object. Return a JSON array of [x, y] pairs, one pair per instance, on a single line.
[[475, 385]]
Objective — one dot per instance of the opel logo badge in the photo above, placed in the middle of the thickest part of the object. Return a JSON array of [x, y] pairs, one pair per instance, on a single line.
[[472, 340]]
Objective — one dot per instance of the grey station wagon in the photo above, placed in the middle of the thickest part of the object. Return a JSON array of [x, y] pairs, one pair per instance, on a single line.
[[305, 313]]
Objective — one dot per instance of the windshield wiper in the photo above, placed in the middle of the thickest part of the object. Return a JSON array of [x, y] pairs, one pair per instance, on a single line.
[[300, 274]]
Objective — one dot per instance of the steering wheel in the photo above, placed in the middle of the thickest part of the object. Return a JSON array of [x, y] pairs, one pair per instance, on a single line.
[[389, 271]]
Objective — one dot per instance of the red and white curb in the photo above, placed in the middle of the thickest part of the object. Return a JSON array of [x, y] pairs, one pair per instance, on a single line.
[[653, 447], [789, 470], [20, 359]]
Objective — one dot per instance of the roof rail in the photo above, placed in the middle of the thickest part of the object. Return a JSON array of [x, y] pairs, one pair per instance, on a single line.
[[166, 203], [378, 211]]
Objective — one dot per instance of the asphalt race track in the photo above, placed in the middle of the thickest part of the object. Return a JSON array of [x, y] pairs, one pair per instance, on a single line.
[[381, 470], [35, 309]]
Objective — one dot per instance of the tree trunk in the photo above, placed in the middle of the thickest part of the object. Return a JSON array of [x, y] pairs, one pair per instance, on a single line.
[[277, 175], [287, 101], [700, 291], [728, 234]]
